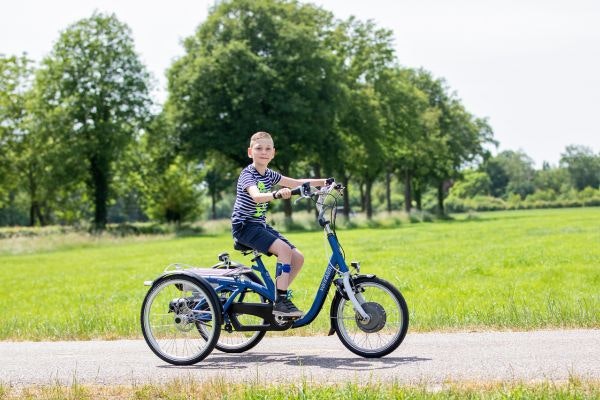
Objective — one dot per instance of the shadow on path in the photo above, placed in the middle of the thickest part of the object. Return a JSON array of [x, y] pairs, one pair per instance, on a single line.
[[250, 360]]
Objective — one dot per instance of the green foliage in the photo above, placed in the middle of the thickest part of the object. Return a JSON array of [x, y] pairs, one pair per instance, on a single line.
[[219, 175], [15, 74], [539, 199], [478, 203], [583, 166], [364, 54], [256, 65], [174, 195], [554, 179], [452, 139], [93, 91], [473, 183], [78, 141], [511, 172]]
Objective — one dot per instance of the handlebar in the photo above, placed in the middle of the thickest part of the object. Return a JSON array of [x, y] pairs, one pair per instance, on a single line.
[[306, 191], [302, 190]]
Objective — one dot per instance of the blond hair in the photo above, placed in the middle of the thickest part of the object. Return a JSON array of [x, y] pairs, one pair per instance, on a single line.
[[259, 135]]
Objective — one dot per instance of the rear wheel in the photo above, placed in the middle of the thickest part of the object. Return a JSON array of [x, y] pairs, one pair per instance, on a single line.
[[388, 323], [232, 341], [172, 311]]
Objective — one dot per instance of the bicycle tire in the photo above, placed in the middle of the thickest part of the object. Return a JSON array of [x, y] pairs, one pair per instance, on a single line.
[[170, 312], [389, 318]]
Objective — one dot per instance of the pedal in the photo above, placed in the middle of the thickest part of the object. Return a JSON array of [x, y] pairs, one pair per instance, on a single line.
[[284, 318]]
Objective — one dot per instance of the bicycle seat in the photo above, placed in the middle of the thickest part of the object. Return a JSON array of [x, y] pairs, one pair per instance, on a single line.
[[241, 247], [245, 249]]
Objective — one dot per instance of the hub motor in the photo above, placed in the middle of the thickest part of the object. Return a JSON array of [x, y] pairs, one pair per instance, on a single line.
[[377, 318]]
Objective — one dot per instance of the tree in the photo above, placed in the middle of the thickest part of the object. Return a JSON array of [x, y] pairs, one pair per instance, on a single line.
[[466, 138], [173, 196], [556, 180], [474, 183], [583, 166], [219, 175], [494, 168], [15, 76], [256, 65], [511, 172], [364, 52], [169, 184], [95, 83], [461, 141], [27, 165], [411, 126], [364, 141]]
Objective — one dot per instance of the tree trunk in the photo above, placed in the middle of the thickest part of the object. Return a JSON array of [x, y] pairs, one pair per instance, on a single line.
[[388, 190], [213, 207], [40, 215], [361, 188], [35, 213], [12, 220], [287, 210], [440, 199], [32, 214], [407, 192], [317, 169], [418, 194], [368, 205], [99, 172]]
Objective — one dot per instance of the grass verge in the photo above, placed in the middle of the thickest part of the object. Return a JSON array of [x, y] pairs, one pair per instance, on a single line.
[[219, 389]]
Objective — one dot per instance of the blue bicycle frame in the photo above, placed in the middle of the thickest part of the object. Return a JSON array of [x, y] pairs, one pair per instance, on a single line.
[[238, 286]]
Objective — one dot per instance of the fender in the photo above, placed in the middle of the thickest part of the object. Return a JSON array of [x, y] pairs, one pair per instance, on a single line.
[[339, 293], [198, 280]]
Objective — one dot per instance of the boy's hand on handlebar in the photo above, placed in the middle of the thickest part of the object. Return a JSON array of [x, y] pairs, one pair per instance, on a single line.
[[284, 193]]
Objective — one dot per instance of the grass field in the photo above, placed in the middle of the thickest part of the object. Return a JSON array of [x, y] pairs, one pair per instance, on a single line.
[[504, 270], [219, 389]]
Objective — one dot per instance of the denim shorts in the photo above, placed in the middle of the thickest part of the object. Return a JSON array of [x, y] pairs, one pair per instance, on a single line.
[[257, 236]]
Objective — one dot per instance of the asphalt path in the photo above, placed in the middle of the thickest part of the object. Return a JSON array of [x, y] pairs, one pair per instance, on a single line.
[[431, 358]]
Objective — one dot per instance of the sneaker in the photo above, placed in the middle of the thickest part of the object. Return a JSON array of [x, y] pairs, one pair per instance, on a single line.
[[284, 307]]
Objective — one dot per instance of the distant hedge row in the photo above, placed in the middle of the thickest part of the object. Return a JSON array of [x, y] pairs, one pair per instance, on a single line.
[[586, 198]]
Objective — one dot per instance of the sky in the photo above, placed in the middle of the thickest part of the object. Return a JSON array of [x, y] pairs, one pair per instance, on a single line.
[[530, 66]]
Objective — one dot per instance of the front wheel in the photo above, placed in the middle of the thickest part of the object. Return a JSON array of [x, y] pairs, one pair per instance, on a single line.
[[388, 322]]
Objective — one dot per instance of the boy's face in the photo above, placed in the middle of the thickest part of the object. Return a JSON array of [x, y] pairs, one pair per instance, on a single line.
[[262, 151]]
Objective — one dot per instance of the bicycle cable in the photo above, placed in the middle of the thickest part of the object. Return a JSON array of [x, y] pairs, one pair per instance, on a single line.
[[332, 219]]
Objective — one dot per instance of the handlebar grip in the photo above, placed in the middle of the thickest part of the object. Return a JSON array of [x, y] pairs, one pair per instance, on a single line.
[[303, 190]]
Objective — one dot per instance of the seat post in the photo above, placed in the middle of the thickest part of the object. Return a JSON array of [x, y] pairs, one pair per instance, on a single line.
[[256, 255]]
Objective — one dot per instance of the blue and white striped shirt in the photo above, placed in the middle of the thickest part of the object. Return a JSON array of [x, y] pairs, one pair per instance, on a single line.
[[245, 209]]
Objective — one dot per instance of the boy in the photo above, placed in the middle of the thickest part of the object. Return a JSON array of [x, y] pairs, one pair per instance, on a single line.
[[248, 220]]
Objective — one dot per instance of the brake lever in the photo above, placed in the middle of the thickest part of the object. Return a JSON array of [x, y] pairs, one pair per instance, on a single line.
[[303, 192]]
